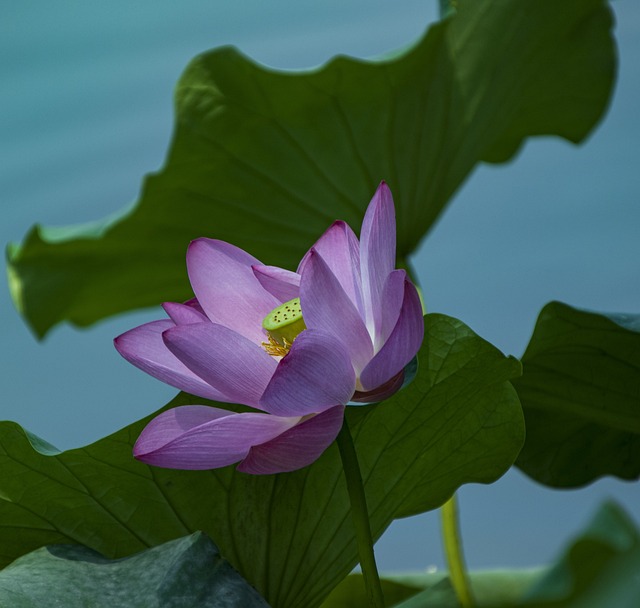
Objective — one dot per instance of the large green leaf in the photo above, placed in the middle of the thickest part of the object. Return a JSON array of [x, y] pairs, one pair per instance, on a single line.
[[182, 573], [289, 535], [267, 160], [580, 391]]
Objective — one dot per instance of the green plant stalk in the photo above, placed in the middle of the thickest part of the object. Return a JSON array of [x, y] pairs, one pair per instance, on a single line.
[[360, 516], [453, 551]]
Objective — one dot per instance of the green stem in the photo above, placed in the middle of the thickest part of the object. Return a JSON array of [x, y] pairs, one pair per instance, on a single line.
[[453, 551], [360, 516]]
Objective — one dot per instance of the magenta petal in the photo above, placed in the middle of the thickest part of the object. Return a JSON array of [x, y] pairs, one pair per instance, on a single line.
[[143, 347], [402, 345], [326, 306], [231, 363], [199, 437], [226, 288], [315, 375], [339, 248], [183, 314], [280, 283], [296, 448], [377, 249]]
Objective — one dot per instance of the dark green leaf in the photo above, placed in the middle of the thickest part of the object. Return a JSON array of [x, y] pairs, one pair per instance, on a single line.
[[289, 535], [179, 574], [580, 392], [267, 160]]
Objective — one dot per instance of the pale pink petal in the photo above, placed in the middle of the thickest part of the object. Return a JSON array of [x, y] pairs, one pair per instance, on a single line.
[[339, 248], [280, 283], [315, 375], [377, 250], [183, 314], [226, 288], [296, 448], [402, 345], [199, 437], [326, 306], [231, 363], [143, 347]]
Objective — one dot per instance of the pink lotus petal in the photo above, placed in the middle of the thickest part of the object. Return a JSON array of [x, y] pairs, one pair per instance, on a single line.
[[280, 283], [380, 393], [237, 367], [227, 289], [387, 315], [377, 250], [193, 303], [326, 306], [199, 437], [402, 345], [296, 448], [339, 248], [182, 314], [315, 375], [143, 347], [364, 326]]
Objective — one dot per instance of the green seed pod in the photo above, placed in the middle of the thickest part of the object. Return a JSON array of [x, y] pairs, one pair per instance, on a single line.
[[285, 322]]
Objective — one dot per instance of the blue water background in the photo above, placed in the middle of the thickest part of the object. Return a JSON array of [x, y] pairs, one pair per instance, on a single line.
[[86, 111]]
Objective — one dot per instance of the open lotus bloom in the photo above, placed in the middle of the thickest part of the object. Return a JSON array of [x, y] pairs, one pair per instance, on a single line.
[[297, 346]]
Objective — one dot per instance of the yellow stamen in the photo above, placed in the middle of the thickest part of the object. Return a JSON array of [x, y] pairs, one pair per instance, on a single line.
[[275, 349]]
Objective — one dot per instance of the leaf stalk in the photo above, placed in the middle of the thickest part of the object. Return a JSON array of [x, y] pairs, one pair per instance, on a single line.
[[360, 516], [453, 550]]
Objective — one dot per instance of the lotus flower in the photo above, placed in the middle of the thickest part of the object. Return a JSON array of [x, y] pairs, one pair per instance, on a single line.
[[297, 346]]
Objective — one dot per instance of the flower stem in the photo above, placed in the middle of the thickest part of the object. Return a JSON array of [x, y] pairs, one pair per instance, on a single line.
[[360, 516], [453, 551]]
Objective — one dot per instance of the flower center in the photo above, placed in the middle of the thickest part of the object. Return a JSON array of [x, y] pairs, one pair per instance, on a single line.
[[283, 324]]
